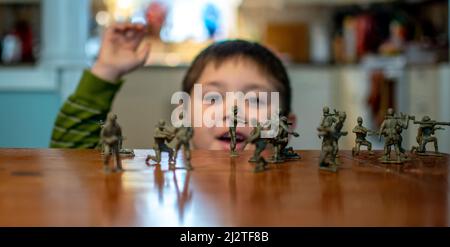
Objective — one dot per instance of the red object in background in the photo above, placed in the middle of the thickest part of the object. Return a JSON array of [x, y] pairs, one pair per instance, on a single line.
[[381, 95], [23, 31], [364, 30], [155, 15]]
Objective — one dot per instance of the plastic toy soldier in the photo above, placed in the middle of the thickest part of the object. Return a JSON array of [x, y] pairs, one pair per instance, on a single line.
[[330, 134], [425, 134], [261, 164], [327, 160], [361, 134], [338, 133], [281, 140], [123, 152], [232, 130], [255, 138], [162, 136], [183, 137], [110, 136], [328, 119], [391, 129]]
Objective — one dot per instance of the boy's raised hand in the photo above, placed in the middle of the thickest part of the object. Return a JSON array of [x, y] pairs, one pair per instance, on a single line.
[[123, 49]]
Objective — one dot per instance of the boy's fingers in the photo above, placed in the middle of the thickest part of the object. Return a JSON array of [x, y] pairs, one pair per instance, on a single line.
[[119, 27]]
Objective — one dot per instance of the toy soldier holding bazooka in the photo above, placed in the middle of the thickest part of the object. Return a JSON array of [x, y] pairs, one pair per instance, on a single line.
[[183, 136], [162, 137], [391, 129], [110, 136], [425, 134], [361, 134]]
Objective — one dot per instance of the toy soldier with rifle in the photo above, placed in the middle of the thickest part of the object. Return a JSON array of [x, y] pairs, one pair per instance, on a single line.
[[361, 134]]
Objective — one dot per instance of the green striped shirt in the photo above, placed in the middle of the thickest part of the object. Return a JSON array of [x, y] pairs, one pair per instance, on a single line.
[[77, 124]]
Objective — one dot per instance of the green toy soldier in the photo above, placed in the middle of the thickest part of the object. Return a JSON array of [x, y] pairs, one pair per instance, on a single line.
[[162, 136], [331, 131], [425, 134], [110, 136], [123, 152], [261, 165], [361, 134], [281, 140], [255, 138], [391, 129], [232, 130], [327, 159], [328, 119], [183, 137], [338, 133]]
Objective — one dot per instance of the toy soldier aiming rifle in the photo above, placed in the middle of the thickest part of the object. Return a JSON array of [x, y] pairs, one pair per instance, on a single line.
[[361, 134], [425, 134]]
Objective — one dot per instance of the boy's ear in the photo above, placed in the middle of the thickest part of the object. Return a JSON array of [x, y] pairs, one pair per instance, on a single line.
[[292, 118]]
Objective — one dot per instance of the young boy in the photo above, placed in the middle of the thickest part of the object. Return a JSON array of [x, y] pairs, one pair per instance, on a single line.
[[227, 66]]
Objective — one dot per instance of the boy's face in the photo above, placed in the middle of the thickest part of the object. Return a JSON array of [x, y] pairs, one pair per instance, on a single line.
[[233, 75]]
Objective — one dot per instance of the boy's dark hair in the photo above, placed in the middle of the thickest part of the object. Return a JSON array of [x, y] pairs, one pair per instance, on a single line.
[[265, 59]]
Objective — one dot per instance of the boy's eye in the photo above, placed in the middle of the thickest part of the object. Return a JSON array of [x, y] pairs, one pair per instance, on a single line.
[[211, 98]]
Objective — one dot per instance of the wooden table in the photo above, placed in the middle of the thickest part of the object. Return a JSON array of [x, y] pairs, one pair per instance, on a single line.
[[56, 187]]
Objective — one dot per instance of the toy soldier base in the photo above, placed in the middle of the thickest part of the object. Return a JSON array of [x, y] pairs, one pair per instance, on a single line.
[[126, 153], [261, 165], [400, 159], [290, 154]]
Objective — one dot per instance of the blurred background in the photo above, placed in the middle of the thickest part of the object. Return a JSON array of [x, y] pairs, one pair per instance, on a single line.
[[361, 56]]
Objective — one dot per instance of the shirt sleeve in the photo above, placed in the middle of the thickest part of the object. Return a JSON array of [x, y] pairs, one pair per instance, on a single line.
[[77, 124]]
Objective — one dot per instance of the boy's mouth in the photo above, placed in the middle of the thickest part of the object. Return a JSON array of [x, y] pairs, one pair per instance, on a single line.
[[225, 140]]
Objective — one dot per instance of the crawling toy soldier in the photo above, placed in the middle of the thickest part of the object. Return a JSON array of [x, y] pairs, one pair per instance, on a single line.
[[391, 129], [425, 134], [162, 137], [183, 137], [232, 130], [361, 134], [110, 136]]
